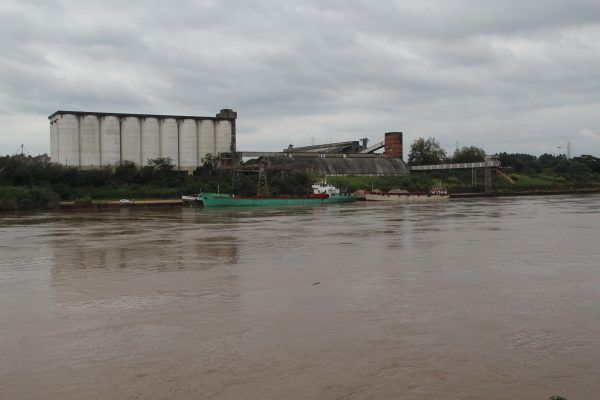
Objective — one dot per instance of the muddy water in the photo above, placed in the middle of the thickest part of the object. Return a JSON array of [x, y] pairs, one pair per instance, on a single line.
[[472, 299]]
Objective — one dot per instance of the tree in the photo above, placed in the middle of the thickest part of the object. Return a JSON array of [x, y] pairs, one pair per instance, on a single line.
[[210, 164], [165, 164], [126, 172], [547, 159], [519, 161], [468, 154], [426, 152]]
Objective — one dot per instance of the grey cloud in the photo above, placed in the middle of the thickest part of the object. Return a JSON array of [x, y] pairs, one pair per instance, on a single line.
[[495, 74]]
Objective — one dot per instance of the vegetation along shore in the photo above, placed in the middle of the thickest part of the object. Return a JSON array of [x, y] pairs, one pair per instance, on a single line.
[[28, 182]]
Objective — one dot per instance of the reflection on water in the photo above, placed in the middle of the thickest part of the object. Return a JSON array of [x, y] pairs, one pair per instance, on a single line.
[[494, 298]]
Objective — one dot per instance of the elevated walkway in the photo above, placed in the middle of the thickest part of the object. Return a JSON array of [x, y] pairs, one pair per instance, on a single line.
[[482, 164]]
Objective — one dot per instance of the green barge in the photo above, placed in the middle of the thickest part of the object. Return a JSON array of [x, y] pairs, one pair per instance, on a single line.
[[226, 200], [322, 194]]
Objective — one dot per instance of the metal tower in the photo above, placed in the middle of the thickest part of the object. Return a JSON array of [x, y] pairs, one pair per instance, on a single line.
[[263, 188]]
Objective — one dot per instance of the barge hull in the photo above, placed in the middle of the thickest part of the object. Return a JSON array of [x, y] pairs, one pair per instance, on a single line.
[[222, 200]]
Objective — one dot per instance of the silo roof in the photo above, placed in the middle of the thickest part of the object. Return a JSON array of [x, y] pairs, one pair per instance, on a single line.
[[107, 114]]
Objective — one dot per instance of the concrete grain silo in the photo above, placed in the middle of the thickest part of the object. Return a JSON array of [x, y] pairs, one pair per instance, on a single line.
[[89, 141], [68, 140], [95, 139], [206, 138], [54, 141], [131, 149], [169, 139], [110, 141], [188, 144], [150, 139]]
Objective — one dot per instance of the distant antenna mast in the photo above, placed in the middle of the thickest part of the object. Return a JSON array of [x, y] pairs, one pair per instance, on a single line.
[[568, 150], [22, 150]]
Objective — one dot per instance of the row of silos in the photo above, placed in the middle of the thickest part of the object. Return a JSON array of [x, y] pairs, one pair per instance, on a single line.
[[91, 140]]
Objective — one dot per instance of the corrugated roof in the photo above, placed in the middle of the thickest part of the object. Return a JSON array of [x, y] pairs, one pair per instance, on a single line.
[[107, 114]]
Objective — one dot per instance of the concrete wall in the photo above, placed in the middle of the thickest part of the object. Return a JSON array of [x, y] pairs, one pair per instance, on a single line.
[[150, 140], [169, 139], [99, 139], [222, 136], [89, 141], [206, 138], [188, 144], [68, 140], [54, 140], [131, 149], [110, 141]]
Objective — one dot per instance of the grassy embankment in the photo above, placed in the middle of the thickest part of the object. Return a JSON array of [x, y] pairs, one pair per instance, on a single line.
[[23, 198], [29, 182], [461, 182], [521, 173]]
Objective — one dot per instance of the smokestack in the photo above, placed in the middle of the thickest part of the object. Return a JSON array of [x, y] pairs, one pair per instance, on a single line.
[[393, 145]]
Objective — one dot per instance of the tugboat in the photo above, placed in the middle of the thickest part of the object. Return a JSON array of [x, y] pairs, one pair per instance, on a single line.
[[323, 193]]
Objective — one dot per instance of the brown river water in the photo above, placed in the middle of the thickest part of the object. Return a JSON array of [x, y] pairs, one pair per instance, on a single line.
[[470, 299]]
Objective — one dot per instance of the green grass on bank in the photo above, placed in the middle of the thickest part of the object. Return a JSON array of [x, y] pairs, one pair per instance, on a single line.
[[544, 181], [468, 182], [26, 198], [30, 182]]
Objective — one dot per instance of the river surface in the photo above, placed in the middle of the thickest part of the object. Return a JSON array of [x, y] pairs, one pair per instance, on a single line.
[[470, 299]]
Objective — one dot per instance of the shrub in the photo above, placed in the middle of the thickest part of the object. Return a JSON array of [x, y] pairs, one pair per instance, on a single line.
[[24, 198]]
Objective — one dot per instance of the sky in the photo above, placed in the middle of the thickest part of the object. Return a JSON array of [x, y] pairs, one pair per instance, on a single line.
[[515, 76]]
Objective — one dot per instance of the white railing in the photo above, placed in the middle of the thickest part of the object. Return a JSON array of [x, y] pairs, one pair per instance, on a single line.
[[483, 164]]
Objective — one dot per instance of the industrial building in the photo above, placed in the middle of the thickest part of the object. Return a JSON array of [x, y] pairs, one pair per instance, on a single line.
[[96, 139], [341, 158]]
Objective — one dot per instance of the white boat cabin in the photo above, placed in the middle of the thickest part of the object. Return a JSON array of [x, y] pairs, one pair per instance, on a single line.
[[324, 188]]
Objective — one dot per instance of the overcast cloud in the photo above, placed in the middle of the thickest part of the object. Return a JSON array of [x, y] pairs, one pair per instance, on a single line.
[[517, 76]]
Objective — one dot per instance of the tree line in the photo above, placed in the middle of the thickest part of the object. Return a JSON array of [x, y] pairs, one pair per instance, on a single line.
[[429, 151], [158, 179]]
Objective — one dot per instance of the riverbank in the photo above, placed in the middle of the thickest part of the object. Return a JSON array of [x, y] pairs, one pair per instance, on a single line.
[[94, 205], [524, 193], [70, 205], [151, 203]]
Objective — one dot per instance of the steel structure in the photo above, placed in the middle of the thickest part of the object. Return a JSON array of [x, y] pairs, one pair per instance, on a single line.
[[483, 164]]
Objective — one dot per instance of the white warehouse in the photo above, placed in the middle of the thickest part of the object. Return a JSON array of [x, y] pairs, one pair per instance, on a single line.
[[95, 139]]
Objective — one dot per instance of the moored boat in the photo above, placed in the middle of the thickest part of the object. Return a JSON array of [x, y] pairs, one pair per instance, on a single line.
[[191, 198], [436, 193], [322, 194]]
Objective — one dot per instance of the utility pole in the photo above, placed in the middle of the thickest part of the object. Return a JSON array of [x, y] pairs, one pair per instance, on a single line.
[[488, 180]]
